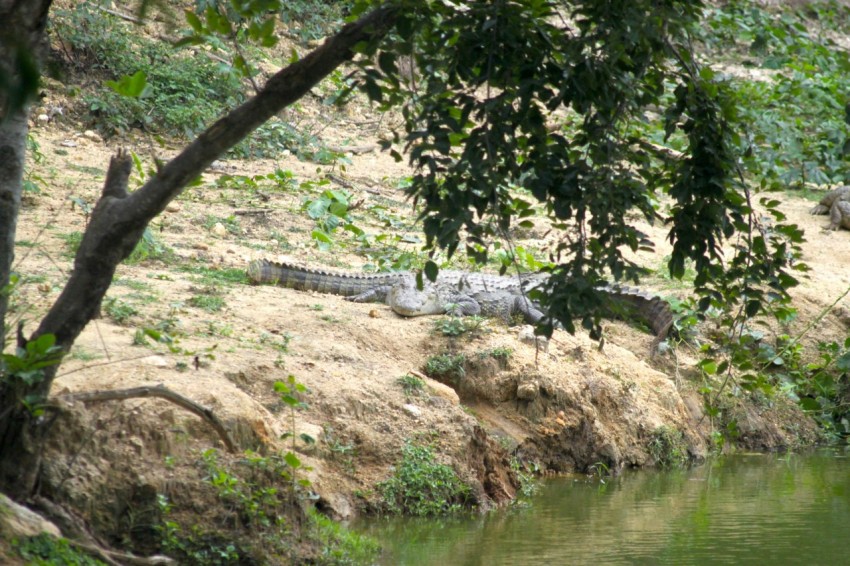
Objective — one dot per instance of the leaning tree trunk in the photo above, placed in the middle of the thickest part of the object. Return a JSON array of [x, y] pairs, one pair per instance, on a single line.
[[119, 220]]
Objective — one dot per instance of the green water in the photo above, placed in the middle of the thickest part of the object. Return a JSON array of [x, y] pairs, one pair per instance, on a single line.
[[760, 509]]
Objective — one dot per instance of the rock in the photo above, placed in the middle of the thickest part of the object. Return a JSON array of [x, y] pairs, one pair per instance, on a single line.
[[42, 118], [527, 336], [528, 390], [219, 230], [412, 410], [157, 361], [68, 143], [336, 505], [173, 207], [92, 135], [18, 521], [440, 389]]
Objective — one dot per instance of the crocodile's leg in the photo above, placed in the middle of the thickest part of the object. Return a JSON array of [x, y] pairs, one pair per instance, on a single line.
[[839, 215], [528, 309], [462, 305], [373, 295]]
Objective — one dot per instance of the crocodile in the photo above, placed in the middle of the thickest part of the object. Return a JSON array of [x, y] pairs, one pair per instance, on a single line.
[[836, 203], [454, 292]]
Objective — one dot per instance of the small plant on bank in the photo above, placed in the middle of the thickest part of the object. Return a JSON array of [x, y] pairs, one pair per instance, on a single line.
[[411, 385], [208, 303], [119, 311], [501, 354], [458, 325], [46, 550], [257, 509], [331, 209], [422, 487], [525, 473], [446, 367], [668, 448]]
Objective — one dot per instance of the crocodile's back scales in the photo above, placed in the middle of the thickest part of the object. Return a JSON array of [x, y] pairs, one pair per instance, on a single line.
[[493, 292], [304, 279]]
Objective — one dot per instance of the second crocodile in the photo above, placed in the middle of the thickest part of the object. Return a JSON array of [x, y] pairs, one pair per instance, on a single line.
[[836, 203], [454, 292]]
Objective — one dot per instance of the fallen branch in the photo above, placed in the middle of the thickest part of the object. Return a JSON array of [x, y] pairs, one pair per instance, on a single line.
[[163, 393], [354, 149]]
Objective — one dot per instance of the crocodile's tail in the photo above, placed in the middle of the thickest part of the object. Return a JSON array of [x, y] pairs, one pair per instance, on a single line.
[[652, 309], [304, 279]]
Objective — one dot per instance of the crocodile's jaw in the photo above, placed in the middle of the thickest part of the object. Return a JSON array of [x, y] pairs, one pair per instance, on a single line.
[[406, 300]]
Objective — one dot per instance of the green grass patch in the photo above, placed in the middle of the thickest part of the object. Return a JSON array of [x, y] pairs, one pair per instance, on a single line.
[[446, 367], [119, 311], [423, 487], [44, 550], [215, 277], [208, 303]]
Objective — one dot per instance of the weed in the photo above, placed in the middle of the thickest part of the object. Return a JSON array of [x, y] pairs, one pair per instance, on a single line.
[[72, 242], [132, 284], [140, 338], [422, 487], [446, 367], [411, 385], [149, 248], [501, 354], [80, 353], [668, 448], [343, 451], [339, 545], [45, 549], [525, 473], [456, 325], [278, 342], [215, 277], [119, 311], [230, 224], [188, 92], [330, 210], [208, 303]]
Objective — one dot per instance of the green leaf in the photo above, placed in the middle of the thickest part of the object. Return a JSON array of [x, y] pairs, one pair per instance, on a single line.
[[133, 86], [708, 366], [194, 21], [292, 460], [431, 270]]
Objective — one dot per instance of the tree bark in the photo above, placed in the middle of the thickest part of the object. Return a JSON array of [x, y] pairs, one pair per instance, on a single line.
[[21, 42], [119, 220]]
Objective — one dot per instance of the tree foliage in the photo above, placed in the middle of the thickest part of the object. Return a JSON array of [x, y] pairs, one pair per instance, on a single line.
[[551, 98]]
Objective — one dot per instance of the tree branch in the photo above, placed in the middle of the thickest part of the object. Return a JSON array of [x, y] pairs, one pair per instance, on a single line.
[[163, 393], [118, 222]]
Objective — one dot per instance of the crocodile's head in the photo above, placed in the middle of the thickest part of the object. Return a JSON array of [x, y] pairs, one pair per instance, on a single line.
[[405, 299]]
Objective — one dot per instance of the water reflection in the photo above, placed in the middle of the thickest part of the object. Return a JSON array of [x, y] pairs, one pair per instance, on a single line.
[[758, 509]]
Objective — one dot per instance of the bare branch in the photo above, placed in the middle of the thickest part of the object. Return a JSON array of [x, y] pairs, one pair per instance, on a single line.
[[117, 224], [163, 393]]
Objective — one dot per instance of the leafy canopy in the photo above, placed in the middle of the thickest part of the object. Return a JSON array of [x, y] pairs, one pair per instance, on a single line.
[[554, 97]]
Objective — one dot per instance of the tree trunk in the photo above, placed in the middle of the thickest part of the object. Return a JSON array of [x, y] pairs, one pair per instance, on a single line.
[[119, 220], [21, 47]]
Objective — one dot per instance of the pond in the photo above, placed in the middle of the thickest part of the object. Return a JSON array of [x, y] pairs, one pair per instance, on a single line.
[[747, 509]]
